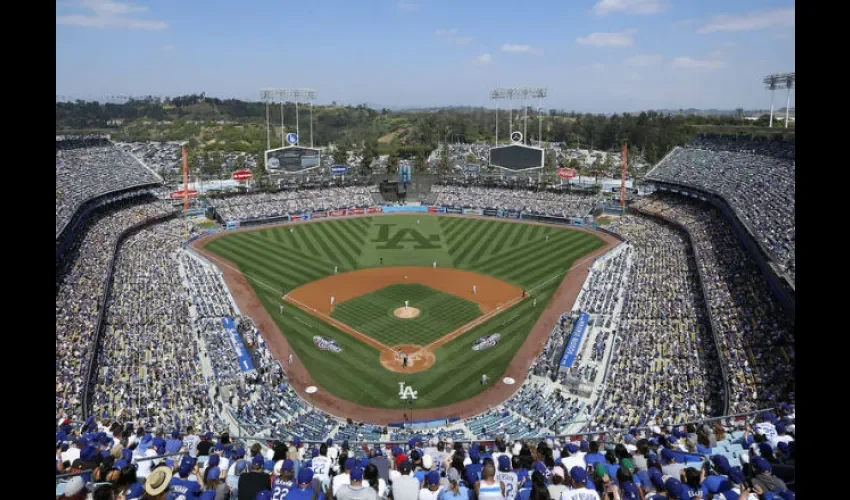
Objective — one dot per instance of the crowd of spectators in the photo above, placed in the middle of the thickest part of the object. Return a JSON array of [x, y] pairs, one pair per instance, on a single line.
[[259, 205], [149, 360], [664, 368], [756, 337], [747, 459], [755, 177], [89, 168], [536, 202], [81, 279]]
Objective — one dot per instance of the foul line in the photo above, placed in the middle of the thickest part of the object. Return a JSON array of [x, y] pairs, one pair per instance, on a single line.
[[338, 324]]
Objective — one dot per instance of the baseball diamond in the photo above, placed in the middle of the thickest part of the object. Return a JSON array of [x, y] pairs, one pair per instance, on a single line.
[[508, 264]]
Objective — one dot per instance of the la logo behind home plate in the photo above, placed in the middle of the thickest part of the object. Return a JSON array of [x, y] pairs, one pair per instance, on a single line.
[[405, 391]]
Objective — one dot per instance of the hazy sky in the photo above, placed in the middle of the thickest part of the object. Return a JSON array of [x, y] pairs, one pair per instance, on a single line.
[[592, 55]]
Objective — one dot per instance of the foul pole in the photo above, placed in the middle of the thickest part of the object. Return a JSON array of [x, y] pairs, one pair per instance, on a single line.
[[623, 184]]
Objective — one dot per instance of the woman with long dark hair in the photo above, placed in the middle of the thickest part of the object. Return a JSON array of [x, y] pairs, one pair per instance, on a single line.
[[371, 477], [539, 491]]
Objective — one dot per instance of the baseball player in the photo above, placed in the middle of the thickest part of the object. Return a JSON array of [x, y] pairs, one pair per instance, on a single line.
[[382, 261], [405, 305], [335, 269], [290, 358], [483, 379], [332, 300], [404, 361], [281, 309], [435, 264], [547, 237], [474, 289], [534, 302], [291, 229], [417, 222]]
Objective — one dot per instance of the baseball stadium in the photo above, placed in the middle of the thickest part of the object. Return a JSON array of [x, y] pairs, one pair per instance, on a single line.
[[490, 303]]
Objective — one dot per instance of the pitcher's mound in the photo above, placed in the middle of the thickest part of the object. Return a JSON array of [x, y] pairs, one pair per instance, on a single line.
[[419, 359], [406, 312]]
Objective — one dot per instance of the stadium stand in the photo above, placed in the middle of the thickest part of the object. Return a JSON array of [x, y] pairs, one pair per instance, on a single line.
[[755, 176], [166, 366]]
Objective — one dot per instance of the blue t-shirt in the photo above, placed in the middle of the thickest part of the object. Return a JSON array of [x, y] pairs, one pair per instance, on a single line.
[[473, 473], [208, 495], [612, 471], [593, 458], [302, 494], [173, 445], [688, 492], [715, 484], [521, 475], [281, 488], [524, 493], [420, 475], [447, 494], [183, 488]]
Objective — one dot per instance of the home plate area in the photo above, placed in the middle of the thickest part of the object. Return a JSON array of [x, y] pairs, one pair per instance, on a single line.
[[418, 358]]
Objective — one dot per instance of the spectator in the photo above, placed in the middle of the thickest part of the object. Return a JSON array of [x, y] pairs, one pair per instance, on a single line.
[[255, 481]]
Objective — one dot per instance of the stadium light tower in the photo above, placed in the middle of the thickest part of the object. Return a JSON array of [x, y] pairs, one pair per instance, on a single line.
[[515, 94], [780, 81], [281, 95]]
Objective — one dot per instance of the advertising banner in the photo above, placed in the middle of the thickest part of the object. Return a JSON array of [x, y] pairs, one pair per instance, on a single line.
[[295, 217], [453, 210], [492, 212], [339, 170], [233, 224], [356, 211], [238, 346], [319, 214], [432, 210], [374, 210], [336, 213], [405, 208], [575, 340], [473, 211], [512, 214]]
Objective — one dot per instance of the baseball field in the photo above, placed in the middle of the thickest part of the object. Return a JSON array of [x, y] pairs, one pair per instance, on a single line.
[[383, 288]]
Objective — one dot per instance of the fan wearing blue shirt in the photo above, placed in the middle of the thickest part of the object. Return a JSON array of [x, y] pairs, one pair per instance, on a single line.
[[594, 456], [181, 487], [304, 491]]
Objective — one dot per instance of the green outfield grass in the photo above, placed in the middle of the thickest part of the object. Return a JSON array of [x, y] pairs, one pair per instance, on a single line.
[[278, 259], [440, 313]]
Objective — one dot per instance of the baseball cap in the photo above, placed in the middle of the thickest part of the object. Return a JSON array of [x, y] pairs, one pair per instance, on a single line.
[[600, 469], [378, 452], [314, 453], [765, 449], [329, 442], [208, 436], [504, 463], [557, 471], [405, 467], [186, 466], [214, 474], [135, 492], [264, 495], [540, 467], [572, 448], [433, 477], [668, 455], [175, 435], [258, 461], [288, 465], [673, 487], [780, 428], [721, 463], [760, 464], [350, 463], [414, 455], [219, 446], [240, 452], [305, 475], [364, 462], [213, 460], [578, 474], [736, 476], [427, 462], [357, 474]]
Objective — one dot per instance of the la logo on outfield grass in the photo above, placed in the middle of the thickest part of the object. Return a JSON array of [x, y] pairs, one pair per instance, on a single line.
[[406, 391]]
